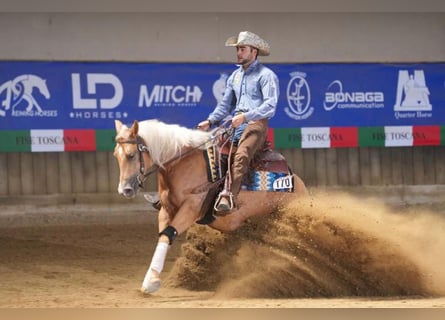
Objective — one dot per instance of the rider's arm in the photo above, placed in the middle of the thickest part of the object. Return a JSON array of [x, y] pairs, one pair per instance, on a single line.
[[226, 105]]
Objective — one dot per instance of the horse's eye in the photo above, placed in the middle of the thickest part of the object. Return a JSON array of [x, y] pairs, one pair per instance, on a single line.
[[131, 155]]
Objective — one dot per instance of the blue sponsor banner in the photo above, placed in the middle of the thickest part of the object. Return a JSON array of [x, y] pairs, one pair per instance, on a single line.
[[78, 95], [362, 95]]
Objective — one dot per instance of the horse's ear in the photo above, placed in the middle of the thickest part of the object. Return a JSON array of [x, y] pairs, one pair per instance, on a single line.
[[118, 125], [135, 127]]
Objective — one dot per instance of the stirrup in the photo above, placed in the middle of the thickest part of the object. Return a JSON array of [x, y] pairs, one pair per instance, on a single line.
[[227, 195]]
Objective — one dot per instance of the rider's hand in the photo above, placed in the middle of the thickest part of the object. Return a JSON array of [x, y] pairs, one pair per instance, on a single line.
[[238, 120], [204, 125]]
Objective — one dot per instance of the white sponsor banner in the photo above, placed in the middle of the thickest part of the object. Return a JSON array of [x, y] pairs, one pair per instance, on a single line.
[[401, 136], [316, 137], [47, 141]]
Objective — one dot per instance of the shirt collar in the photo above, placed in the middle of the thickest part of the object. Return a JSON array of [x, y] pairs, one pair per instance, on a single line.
[[250, 68]]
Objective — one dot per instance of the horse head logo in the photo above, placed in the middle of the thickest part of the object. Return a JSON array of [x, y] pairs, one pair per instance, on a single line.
[[20, 93]]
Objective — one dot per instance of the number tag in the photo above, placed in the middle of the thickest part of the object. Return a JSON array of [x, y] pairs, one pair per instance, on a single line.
[[283, 183]]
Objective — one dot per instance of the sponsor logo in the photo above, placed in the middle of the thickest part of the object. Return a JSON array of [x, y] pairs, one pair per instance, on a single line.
[[169, 96], [412, 100], [46, 140], [321, 137], [104, 93], [399, 135], [219, 86], [298, 97], [24, 97], [337, 97]]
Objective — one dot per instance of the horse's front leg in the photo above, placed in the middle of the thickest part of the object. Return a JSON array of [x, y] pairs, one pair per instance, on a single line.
[[183, 219], [152, 281]]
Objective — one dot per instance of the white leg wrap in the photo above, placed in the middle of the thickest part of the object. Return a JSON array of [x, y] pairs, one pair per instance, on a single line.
[[152, 282]]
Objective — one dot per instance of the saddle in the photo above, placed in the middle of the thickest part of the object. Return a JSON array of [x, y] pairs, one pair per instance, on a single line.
[[268, 171]]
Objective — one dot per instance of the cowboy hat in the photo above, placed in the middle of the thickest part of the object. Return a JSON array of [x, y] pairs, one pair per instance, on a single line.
[[247, 38]]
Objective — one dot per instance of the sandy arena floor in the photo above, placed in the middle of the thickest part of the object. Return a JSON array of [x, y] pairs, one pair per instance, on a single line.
[[340, 252]]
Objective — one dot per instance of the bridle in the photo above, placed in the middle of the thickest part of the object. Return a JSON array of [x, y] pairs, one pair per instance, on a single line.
[[141, 148]]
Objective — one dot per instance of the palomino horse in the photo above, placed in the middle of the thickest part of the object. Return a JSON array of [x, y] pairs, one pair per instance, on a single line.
[[177, 153]]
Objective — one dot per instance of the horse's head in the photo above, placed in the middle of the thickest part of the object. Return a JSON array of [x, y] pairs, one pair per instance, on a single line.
[[43, 87], [128, 157]]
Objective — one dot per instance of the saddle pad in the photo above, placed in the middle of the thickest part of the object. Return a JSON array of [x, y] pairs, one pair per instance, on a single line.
[[264, 181]]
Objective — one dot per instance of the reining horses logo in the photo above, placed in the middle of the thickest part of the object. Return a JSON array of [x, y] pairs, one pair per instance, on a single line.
[[19, 93]]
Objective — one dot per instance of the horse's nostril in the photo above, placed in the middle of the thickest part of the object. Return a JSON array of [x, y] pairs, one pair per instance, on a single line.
[[128, 192]]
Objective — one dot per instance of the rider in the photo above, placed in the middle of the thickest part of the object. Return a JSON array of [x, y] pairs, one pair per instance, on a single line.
[[251, 95]]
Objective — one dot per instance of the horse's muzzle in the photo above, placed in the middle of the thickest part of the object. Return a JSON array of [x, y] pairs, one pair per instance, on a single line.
[[127, 190], [128, 193]]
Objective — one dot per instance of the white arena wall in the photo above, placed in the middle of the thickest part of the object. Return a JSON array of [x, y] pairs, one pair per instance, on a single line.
[[297, 37]]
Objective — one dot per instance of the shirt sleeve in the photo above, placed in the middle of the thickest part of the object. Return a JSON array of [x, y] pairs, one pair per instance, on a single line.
[[227, 103]]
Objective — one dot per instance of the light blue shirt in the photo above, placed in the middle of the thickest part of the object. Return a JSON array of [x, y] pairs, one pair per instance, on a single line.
[[254, 92]]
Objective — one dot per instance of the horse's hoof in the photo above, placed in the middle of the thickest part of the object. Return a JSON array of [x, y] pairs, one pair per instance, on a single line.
[[153, 286], [153, 198]]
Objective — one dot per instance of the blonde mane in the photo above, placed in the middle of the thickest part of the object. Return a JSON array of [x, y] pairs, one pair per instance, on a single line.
[[166, 141]]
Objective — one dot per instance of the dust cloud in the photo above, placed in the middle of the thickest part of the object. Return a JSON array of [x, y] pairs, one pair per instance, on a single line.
[[327, 245]]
